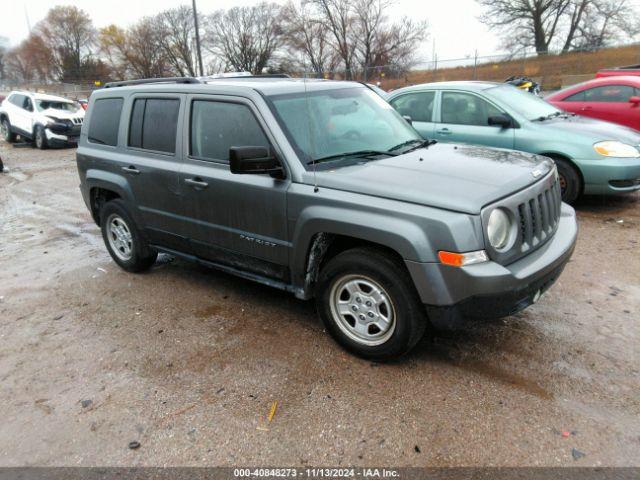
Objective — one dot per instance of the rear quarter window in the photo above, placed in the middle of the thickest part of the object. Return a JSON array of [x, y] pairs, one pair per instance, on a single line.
[[105, 121]]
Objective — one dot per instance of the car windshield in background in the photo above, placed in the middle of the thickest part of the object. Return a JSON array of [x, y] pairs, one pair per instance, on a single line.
[[326, 124], [48, 104], [524, 103]]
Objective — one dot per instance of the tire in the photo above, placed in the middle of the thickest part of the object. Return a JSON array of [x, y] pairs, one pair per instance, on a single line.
[[40, 138], [570, 181], [124, 242], [7, 134], [388, 319]]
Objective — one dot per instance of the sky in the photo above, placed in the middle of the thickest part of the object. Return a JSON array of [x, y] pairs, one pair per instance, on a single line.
[[453, 24]]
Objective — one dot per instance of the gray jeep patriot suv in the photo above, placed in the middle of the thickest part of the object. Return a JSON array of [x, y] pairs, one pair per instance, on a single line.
[[322, 189]]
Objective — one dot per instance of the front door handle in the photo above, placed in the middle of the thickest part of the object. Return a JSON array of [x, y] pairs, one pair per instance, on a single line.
[[444, 131], [196, 183], [586, 109], [131, 169]]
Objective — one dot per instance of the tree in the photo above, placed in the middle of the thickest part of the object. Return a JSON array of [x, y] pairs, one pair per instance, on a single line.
[[31, 60], [3, 52], [606, 22], [177, 39], [70, 35], [526, 23], [380, 44], [307, 40], [562, 24], [245, 37], [338, 19], [136, 52]]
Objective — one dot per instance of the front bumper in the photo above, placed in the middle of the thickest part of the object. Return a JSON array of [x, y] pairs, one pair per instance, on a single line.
[[62, 133], [492, 290], [610, 175]]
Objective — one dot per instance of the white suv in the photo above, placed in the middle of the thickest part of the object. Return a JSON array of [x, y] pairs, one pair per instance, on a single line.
[[45, 119]]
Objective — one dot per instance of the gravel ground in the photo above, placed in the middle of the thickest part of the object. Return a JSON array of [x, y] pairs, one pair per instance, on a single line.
[[188, 361]]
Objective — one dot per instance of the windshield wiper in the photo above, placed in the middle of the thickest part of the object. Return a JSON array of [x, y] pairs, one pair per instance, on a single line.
[[404, 144], [423, 144], [359, 153], [96, 140]]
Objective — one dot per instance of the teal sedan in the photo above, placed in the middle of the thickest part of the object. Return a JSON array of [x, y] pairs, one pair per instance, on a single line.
[[593, 156]]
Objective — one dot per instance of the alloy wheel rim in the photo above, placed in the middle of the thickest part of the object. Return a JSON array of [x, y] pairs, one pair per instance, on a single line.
[[119, 237], [563, 183], [362, 309], [39, 138], [5, 130]]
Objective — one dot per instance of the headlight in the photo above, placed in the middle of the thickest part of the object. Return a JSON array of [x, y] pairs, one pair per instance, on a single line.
[[612, 148], [53, 119], [498, 228]]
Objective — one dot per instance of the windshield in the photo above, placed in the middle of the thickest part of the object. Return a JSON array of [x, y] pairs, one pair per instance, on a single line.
[[524, 103], [328, 123], [56, 105]]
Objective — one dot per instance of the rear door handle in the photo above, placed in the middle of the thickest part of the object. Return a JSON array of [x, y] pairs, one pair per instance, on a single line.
[[131, 169], [586, 109], [196, 183], [444, 131]]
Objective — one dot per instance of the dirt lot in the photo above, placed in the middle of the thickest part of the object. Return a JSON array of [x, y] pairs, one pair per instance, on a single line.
[[188, 361]]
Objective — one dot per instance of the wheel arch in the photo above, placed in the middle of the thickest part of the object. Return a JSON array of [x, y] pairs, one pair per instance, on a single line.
[[560, 156], [104, 186], [323, 246]]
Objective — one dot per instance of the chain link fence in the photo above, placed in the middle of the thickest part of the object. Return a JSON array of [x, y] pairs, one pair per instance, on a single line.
[[552, 72]]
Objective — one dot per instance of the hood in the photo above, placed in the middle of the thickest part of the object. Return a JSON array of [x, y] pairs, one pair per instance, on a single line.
[[452, 177], [596, 130], [63, 114]]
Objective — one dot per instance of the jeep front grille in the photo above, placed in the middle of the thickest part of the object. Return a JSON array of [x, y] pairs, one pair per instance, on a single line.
[[538, 217], [535, 212]]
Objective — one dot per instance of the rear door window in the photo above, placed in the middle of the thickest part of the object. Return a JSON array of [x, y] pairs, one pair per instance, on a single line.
[[217, 126], [154, 123], [105, 121], [17, 100], [418, 106]]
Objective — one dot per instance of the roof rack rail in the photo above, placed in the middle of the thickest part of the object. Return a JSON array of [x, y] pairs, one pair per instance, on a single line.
[[241, 75], [144, 81]]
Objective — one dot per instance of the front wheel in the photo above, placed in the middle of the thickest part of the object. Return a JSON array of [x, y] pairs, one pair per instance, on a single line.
[[123, 240], [369, 304], [41, 138], [570, 181]]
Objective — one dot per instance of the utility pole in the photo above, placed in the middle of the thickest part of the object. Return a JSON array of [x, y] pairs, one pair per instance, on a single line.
[[195, 21]]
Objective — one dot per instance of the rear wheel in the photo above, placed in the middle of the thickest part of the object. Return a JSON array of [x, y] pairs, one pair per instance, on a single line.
[[369, 304], [5, 129], [570, 181], [123, 240], [40, 138]]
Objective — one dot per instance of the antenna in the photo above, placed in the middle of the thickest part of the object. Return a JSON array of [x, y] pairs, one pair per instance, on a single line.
[[311, 138], [26, 16]]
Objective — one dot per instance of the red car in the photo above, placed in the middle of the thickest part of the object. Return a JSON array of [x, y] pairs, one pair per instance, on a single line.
[[614, 99], [615, 72]]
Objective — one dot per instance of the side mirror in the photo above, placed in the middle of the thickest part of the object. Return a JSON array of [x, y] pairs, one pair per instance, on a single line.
[[500, 121], [635, 100], [408, 119], [254, 160]]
